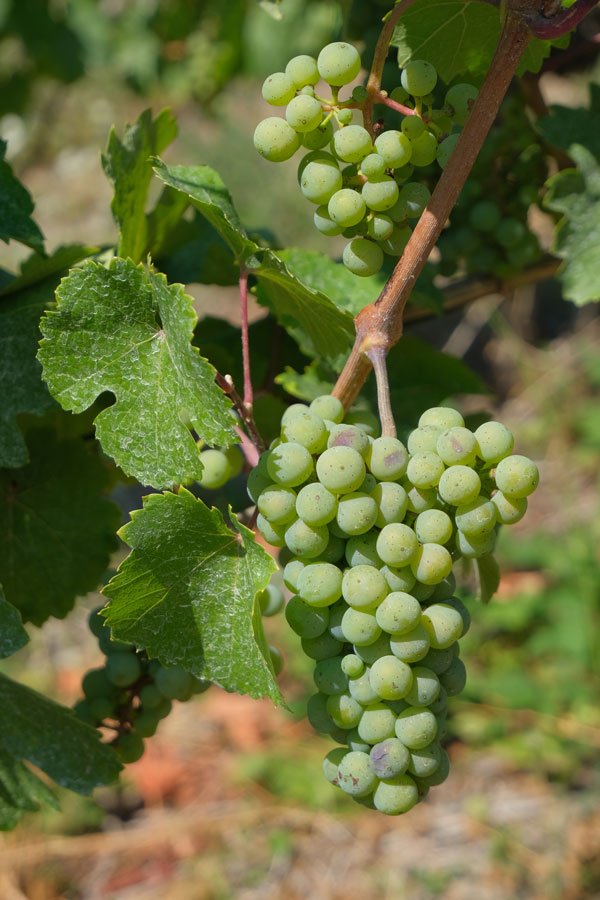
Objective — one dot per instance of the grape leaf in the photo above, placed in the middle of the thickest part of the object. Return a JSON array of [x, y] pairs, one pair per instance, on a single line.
[[186, 592], [488, 575], [21, 385], [20, 791], [127, 164], [50, 736], [459, 38], [565, 126], [16, 207], [38, 268], [194, 251], [56, 527], [12, 634], [123, 329], [575, 194]]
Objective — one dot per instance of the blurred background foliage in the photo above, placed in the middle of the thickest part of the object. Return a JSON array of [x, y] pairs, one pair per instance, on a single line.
[[518, 816]]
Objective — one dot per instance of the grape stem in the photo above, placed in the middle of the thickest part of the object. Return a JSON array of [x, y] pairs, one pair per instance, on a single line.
[[377, 357], [382, 97], [380, 324], [248, 393], [226, 384]]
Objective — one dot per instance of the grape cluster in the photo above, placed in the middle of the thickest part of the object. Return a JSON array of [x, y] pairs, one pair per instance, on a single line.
[[220, 466], [373, 529], [492, 235], [130, 694], [362, 185]]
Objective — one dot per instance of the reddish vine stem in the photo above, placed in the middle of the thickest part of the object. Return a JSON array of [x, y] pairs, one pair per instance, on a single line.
[[248, 393], [381, 323], [382, 97], [386, 416], [379, 57]]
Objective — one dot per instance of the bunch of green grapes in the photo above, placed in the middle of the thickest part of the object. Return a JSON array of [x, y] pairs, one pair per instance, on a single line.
[[374, 529], [363, 185], [130, 694], [492, 236], [220, 466]]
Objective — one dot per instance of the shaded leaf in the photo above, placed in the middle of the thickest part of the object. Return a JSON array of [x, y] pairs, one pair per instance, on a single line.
[[186, 593], [565, 126], [195, 252], [12, 634], [56, 527], [16, 207], [20, 791], [123, 329], [39, 268]]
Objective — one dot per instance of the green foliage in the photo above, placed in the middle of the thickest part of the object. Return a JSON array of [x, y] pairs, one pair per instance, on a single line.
[[565, 125], [16, 207], [20, 791], [12, 634], [191, 575], [56, 526], [124, 329]]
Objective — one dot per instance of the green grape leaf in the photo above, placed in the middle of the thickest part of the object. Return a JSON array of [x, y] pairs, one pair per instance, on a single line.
[[20, 791], [38, 730], [16, 207], [123, 329], [488, 576], [127, 164], [575, 194], [208, 193], [56, 527], [163, 219], [21, 385], [459, 38], [12, 634], [306, 385], [38, 268], [565, 126], [186, 592], [194, 251]]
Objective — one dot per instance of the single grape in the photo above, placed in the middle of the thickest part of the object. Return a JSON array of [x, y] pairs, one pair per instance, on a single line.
[[377, 723], [457, 446], [474, 548], [319, 138], [459, 485], [389, 758], [413, 127], [394, 148], [216, 469], [291, 573], [306, 541], [445, 589], [395, 244], [419, 500], [259, 478], [319, 718], [270, 601], [331, 763], [424, 149], [399, 579], [396, 795], [517, 477], [424, 763], [454, 678], [390, 678], [460, 99], [412, 200], [328, 407], [410, 646], [320, 179], [315, 505], [509, 511], [422, 592], [324, 223], [341, 469], [416, 727], [419, 78], [362, 257], [304, 113], [320, 584], [438, 661], [392, 503], [442, 417], [329, 677], [363, 586], [359, 94], [387, 458], [345, 117], [307, 621], [380, 227], [356, 513], [324, 646], [278, 89], [289, 464], [476, 519], [373, 166], [443, 625], [446, 149], [129, 746], [95, 683], [431, 564], [510, 232], [361, 550], [370, 652], [347, 208], [494, 442], [400, 95], [275, 140], [484, 216], [380, 195], [352, 143], [352, 665], [425, 688], [423, 439], [338, 63], [150, 696], [398, 613], [433, 526], [344, 710], [146, 722], [273, 534], [424, 470], [360, 687], [122, 669], [277, 504], [397, 544], [302, 70], [344, 435], [359, 627], [355, 774], [441, 773], [305, 428]]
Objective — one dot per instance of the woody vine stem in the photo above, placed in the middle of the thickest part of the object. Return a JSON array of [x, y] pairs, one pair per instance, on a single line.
[[380, 325]]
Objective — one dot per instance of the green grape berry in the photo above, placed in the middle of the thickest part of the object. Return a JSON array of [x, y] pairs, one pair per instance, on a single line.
[[302, 70], [278, 89], [419, 78], [338, 63], [347, 207], [304, 113], [275, 139]]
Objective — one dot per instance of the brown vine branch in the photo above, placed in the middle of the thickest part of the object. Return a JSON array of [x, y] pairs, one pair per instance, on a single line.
[[248, 393], [226, 384], [381, 323]]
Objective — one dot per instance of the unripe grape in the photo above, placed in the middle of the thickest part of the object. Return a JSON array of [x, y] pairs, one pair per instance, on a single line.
[[347, 207], [460, 99], [306, 541], [174, 683], [457, 445], [328, 407], [324, 223], [278, 89], [129, 746], [397, 241], [381, 194], [122, 669], [394, 148], [397, 544], [413, 127], [364, 586], [307, 621], [424, 470], [362, 257], [387, 458], [316, 505], [373, 166], [305, 428], [270, 601], [289, 464], [442, 417], [419, 78], [344, 710], [424, 149], [433, 526], [352, 143], [412, 200], [446, 149], [277, 504], [356, 513], [392, 503], [416, 727], [410, 646], [304, 113], [390, 678], [459, 485], [320, 178], [380, 227], [517, 477], [216, 469], [395, 795], [359, 627], [389, 758], [509, 510], [302, 70], [319, 137], [275, 139], [344, 435], [320, 584], [338, 63]]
